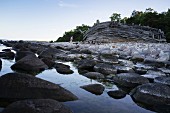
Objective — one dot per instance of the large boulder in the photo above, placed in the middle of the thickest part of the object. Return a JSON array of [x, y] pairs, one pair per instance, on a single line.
[[93, 75], [29, 64], [37, 106], [17, 86], [155, 95], [129, 80], [105, 68], [21, 54], [50, 63], [96, 89]]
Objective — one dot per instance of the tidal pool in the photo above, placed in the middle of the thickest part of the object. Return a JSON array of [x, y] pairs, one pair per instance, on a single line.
[[88, 102]]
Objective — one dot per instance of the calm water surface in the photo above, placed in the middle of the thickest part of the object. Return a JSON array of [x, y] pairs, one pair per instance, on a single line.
[[88, 102]]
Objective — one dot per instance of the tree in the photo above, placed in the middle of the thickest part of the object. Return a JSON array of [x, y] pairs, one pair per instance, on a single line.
[[77, 34], [115, 17]]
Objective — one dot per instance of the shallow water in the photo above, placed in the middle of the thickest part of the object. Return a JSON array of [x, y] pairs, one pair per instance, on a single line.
[[88, 102]]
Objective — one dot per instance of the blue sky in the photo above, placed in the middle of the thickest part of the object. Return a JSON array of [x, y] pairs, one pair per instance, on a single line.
[[49, 19]]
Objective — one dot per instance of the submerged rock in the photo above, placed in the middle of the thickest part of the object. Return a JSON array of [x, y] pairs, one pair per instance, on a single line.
[[29, 64], [37, 106], [93, 75], [105, 68], [17, 86], [154, 94], [129, 80], [96, 89], [117, 94]]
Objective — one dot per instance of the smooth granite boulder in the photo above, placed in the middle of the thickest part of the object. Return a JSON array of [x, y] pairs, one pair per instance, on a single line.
[[17, 86], [30, 64], [129, 80], [96, 89]]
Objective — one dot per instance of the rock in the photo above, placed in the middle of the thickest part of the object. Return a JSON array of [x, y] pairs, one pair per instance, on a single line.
[[142, 68], [86, 64], [50, 53], [162, 80], [85, 51], [80, 71], [152, 94], [21, 54], [6, 50], [63, 69], [50, 63], [153, 74], [105, 68], [123, 69], [96, 89], [17, 86], [126, 63], [7, 55], [29, 64], [94, 75], [37, 106], [165, 70], [138, 58], [129, 80], [109, 58], [107, 32], [154, 62], [0, 64], [117, 94]]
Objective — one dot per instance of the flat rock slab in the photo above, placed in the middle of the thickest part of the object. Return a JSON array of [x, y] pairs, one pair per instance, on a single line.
[[29, 64], [37, 106], [17, 86], [96, 89], [129, 80], [152, 94]]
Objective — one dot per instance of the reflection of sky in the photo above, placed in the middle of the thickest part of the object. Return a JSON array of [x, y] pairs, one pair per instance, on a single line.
[[49, 19]]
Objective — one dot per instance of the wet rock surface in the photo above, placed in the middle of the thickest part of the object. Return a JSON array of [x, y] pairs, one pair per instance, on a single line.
[[93, 75], [7, 55], [105, 68], [63, 69], [117, 94], [17, 86], [153, 94], [129, 80], [86, 64], [37, 106], [21, 54], [29, 64], [96, 89], [163, 80]]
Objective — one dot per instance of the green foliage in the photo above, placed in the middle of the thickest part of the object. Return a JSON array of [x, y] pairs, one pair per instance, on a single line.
[[77, 34], [153, 19], [115, 17]]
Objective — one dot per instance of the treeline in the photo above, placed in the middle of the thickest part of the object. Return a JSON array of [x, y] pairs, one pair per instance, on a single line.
[[149, 17], [77, 34]]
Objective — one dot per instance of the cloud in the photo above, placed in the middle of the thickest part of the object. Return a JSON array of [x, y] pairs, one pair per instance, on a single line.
[[68, 5]]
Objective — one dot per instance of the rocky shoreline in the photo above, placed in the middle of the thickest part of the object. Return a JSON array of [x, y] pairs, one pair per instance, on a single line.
[[139, 69]]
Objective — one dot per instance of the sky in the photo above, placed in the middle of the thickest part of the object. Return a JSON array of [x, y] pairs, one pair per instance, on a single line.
[[46, 20]]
